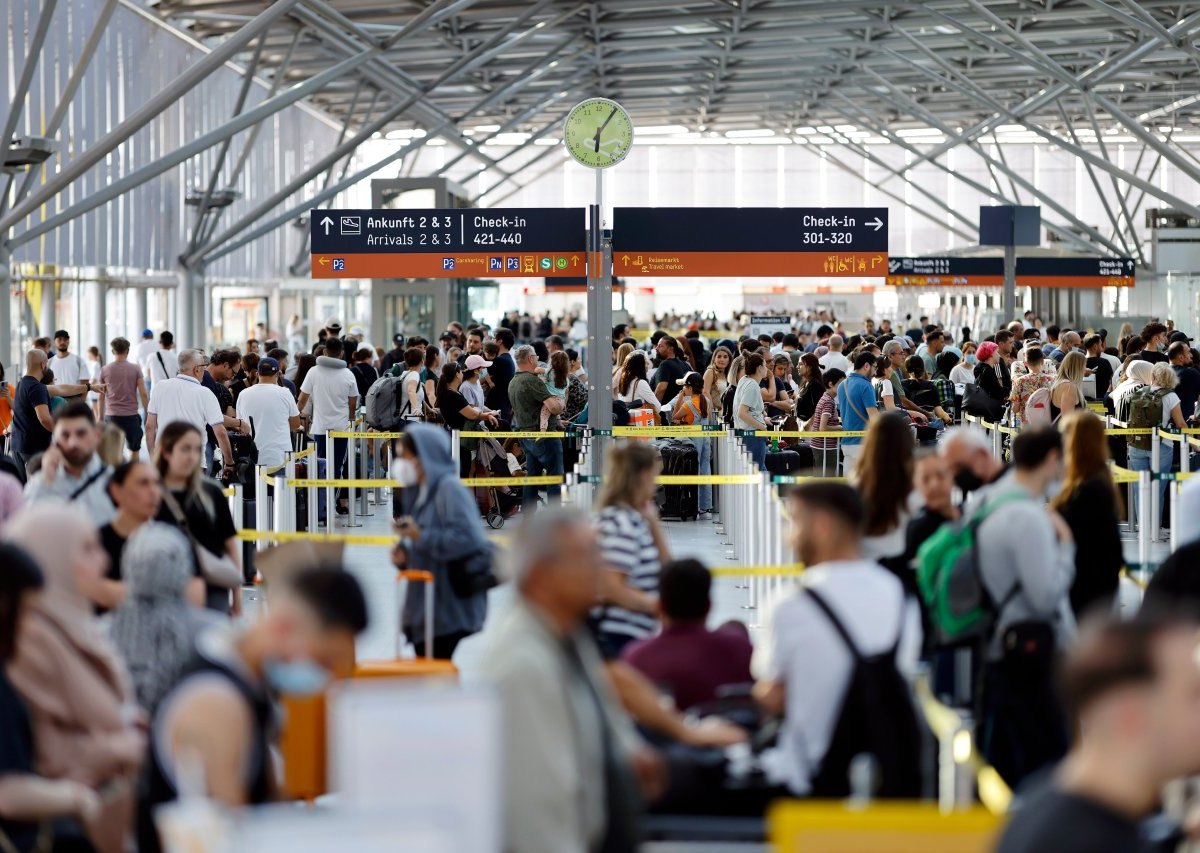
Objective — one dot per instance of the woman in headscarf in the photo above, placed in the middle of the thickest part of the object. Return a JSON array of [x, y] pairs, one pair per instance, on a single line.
[[154, 628], [441, 534], [70, 676]]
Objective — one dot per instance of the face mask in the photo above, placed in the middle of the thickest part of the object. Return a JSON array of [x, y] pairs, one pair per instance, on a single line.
[[967, 480], [483, 373], [406, 472], [971, 358], [296, 678]]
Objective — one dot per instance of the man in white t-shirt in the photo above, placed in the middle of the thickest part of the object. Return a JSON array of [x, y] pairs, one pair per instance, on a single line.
[[272, 413], [184, 398], [69, 368], [334, 392], [835, 358], [145, 347], [809, 664], [161, 364]]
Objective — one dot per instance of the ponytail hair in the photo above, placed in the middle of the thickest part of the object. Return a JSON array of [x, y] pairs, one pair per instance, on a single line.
[[449, 370], [560, 367]]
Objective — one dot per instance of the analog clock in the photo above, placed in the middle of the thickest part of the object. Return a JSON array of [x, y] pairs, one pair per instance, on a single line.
[[598, 133]]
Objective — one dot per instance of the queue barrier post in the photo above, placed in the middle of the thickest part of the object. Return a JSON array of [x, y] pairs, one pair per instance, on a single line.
[[1145, 487], [1154, 517], [369, 471], [351, 474], [280, 504], [1174, 487], [236, 507], [262, 507], [331, 472]]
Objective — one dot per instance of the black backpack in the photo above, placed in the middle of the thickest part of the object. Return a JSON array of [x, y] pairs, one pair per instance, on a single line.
[[876, 719], [727, 405]]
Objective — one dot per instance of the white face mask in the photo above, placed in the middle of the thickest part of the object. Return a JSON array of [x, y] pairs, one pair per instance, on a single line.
[[405, 472]]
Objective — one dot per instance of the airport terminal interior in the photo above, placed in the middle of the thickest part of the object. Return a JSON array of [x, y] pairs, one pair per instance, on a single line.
[[595, 426]]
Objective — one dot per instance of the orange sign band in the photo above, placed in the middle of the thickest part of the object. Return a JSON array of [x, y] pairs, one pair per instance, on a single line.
[[750, 264]]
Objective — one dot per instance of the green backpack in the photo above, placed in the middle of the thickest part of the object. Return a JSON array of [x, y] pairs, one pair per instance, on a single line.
[[1145, 412], [950, 579]]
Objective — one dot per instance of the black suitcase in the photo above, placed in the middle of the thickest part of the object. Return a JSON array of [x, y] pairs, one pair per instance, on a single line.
[[682, 502], [787, 462]]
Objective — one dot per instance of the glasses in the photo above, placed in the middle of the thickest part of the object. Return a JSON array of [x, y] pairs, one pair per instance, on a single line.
[[205, 364]]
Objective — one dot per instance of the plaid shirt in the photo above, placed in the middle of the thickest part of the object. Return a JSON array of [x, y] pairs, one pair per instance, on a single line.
[[945, 389]]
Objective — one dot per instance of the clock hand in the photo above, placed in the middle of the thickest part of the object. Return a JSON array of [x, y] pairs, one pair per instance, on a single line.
[[601, 130]]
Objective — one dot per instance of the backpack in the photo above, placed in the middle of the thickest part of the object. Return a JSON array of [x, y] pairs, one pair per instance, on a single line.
[[1037, 408], [950, 578], [727, 405], [891, 738], [1145, 412], [387, 403]]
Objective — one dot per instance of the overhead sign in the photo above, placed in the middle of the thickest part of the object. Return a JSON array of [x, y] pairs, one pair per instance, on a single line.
[[1075, 272], [448, 243], [804, 242], [945, 272], [1031, 272], [768, 324]]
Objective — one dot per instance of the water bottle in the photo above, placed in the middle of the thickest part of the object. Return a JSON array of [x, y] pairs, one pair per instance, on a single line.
[[864, 777]]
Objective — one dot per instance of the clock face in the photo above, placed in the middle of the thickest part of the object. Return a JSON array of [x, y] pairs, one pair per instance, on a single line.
[[598, 133]]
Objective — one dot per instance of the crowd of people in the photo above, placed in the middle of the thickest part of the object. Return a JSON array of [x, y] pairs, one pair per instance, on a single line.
[[133, 677]]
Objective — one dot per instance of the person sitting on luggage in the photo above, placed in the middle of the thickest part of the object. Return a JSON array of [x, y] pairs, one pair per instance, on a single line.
[[847, 633], [686, 659], [923, 392], [692, 409]]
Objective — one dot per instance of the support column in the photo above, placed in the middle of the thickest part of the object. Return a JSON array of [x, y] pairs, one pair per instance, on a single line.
[[140, 313], [46, 318], [599, 320], [1010, 283], [6, 323], [191, 324], [100, 294]]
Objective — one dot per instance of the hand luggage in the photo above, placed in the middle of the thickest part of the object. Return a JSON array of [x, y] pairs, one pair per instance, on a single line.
[[786, 462], [402, 667], [679, 457]]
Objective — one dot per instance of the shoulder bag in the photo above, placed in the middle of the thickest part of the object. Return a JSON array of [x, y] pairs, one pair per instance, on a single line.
[[220, 571]]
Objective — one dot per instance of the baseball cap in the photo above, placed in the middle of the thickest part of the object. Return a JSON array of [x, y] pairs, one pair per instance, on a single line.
[[62, 333], [1178, 335], [267, 366], [147, 333], [333, 323], [398, 339], [474, 362], [692, 380], [448, 336], [357, 330], [684, 380]]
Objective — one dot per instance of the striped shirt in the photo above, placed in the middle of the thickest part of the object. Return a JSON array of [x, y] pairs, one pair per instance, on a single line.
[[826, 404], [627, 546]]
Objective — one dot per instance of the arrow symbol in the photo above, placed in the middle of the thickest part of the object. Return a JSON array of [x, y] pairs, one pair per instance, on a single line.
[[323, 261], [625, 259], [325, 223], [876, 223], [1129, 264], [574, 260]]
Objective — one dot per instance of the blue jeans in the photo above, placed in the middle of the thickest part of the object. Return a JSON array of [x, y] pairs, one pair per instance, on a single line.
[[704, 455], [756, 446], [543, 456], [1139, 460]]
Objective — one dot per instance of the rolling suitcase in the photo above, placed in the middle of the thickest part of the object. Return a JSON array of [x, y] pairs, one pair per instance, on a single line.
[[410, 667], [682, 502], [786, 462]]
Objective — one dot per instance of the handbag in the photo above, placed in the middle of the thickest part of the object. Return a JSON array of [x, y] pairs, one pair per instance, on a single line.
[[1028, 652], [220, 571], [980, 403]]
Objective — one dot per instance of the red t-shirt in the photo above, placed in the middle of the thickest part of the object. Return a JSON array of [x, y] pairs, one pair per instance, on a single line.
[[691, 662]]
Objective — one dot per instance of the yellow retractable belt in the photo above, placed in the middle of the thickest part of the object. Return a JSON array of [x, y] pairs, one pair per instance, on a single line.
[[1123, 475], [667, 432], [789, 570], [1128, 431], [828, 433], [708, 479], [547, 480], [341, 484]]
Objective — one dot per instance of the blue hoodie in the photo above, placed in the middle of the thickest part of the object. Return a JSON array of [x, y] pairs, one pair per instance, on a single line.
[[450, 526]]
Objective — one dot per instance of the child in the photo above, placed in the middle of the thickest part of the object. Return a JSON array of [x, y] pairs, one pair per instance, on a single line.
[[556, 381]]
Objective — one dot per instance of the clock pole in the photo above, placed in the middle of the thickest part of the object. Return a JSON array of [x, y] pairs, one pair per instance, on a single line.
[[599, 319]]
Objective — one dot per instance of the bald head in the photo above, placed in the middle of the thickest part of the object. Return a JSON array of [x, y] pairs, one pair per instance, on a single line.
[[35, 362], [836, 342]]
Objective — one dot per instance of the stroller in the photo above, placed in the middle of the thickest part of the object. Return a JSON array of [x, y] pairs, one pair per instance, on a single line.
[[496, 503]]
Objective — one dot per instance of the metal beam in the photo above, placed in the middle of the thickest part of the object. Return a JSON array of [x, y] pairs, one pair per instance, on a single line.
[[549, 150], [143, 115], [223, 147], [185, 152], [324, 195], [32, 55], [1112, 216], [68, 94], [551, 168], [348, 146]]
